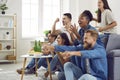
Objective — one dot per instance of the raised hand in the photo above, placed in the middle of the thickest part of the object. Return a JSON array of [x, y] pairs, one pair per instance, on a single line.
[[57, 20], [74, 28]]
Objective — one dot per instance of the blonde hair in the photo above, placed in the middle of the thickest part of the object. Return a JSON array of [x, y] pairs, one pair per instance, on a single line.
[[93, 33]]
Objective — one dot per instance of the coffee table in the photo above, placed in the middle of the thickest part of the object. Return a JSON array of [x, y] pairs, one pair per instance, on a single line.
[[36, 56]]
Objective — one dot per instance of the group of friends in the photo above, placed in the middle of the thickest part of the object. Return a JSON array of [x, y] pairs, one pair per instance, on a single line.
[[82, 50]]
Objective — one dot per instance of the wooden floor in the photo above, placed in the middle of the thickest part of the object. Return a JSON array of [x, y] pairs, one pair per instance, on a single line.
[[8, 72]]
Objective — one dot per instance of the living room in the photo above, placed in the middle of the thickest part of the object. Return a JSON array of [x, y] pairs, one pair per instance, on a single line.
[[29, 19]]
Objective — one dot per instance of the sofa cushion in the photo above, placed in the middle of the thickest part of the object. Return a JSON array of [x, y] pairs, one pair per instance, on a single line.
[[113, 42], [114, 53]]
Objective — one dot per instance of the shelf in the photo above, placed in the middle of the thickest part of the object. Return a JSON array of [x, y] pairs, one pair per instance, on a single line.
[[2, 27], [7, 15], [7, 50], [7, 39], [8, 24], [6, 60]]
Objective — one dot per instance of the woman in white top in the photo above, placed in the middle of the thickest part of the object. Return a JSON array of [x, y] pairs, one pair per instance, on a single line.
[[106, 20]]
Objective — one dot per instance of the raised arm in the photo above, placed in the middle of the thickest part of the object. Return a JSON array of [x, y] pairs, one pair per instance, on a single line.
[[54, 31]]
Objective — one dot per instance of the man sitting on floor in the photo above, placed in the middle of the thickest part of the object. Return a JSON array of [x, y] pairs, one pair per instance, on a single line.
[[41, 61], [97, 59]]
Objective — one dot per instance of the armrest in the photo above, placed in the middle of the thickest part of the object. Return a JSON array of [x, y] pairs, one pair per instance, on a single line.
[[114, 53]]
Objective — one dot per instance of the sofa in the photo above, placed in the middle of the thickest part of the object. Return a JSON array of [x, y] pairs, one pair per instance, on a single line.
[[113, 57]]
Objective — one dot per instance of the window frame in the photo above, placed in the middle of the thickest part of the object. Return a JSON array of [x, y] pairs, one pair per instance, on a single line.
[[40, 23]]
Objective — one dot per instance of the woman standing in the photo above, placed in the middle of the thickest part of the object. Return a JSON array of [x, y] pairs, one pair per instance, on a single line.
[[106, 20]]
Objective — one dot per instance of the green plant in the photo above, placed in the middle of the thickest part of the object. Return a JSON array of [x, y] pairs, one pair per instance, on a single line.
[[37, 46], [46, 32], [3, 7], [96, 11]]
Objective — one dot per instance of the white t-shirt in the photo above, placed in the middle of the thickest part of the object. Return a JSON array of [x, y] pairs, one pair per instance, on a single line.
[[63, 30], [107, 18]]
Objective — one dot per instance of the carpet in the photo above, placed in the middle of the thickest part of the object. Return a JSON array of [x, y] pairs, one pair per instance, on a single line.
[[12, 75]]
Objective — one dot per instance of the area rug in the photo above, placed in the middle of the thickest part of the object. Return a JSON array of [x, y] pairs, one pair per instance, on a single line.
[[13, 75]]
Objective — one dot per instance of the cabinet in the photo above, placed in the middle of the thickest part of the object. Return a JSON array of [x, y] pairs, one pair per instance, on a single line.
[[8, 38]]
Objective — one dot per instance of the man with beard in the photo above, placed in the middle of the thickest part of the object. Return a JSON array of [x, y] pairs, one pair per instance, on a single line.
[[97, 58], [84, 19]]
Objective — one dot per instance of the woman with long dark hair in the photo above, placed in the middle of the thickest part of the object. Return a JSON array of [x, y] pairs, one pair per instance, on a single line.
[[62, 39], [106, 20], [105, 17]]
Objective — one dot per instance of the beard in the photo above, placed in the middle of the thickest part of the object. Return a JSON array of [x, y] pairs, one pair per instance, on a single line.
[[87, 45]]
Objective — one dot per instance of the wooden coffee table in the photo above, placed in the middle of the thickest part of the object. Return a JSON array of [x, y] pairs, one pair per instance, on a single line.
[[36, 56]]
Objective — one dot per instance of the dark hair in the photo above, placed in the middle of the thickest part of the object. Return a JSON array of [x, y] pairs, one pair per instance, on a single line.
[[106, 6], [49, 32], [87, 14], [93, 33], [65, 38], [52, 35], [68, 15]]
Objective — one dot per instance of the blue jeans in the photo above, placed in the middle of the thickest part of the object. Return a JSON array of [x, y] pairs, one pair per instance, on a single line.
[[72, 72], [54, 62], [61, 76], [104, 38], [41, 62], [87, 77]]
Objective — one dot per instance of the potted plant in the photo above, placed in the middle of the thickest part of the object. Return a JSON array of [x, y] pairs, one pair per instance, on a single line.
[[46, 32], [3, 8]]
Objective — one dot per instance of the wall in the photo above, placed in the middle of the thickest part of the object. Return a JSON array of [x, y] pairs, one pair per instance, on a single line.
[[114, 6], [23, 45], [73, 6]]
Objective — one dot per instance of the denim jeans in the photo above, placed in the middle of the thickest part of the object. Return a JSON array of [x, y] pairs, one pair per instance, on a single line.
[[54, 63], [31, 63], [41, 62], [61, 76], [87, 77], [72, 71], [104, 38]]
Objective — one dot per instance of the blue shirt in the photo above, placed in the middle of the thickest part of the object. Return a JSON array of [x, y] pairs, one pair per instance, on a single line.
[[97, 57], [81, 33]]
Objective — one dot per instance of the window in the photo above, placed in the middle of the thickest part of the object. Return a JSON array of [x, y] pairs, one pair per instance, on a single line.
[[51, 10], [38, 16], [29, 18]]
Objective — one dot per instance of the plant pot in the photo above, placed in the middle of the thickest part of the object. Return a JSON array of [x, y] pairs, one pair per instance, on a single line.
[[8, 47], [3, 12]]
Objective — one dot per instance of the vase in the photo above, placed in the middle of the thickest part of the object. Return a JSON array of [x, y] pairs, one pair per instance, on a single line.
[[3, 12]]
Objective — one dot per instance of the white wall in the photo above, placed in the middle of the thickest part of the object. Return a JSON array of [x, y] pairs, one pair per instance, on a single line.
[[23, 45], [73, 6], [114, 5]]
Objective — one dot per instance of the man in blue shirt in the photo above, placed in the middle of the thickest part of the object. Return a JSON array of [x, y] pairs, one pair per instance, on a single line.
[[84, 20], [97, 58]]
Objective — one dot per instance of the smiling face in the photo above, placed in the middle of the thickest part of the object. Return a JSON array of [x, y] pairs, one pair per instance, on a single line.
[[100, 4], [65, 20], [88, 41], [60, 40], [51, 38], [83, 21]]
